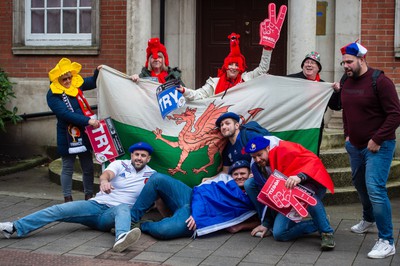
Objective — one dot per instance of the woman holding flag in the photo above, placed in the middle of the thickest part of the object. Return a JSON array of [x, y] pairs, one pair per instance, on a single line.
[[232, 71], [65, 98]]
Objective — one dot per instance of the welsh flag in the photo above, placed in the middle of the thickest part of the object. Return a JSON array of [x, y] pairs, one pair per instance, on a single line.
[[186, 143]]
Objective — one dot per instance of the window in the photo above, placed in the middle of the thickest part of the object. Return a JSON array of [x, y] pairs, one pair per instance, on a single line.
[[56, 27], [397, 30]]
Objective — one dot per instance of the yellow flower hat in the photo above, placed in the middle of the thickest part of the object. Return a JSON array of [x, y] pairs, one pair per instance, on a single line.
[[63, 67]]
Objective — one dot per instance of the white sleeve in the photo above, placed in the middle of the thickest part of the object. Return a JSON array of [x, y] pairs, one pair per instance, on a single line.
[[115, 167], [262, 68], [206, 91]]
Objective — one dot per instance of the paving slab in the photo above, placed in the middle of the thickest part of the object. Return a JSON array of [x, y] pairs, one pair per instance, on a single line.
[[72, 244]]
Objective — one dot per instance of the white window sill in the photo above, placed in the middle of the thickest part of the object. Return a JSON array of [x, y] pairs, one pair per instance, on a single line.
[[56, 50]]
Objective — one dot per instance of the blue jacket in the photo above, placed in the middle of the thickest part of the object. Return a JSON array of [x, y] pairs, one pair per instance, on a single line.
[[219, 203], [66, 117]]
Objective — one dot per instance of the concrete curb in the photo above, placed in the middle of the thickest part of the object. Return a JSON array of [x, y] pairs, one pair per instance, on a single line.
[[24, 165]]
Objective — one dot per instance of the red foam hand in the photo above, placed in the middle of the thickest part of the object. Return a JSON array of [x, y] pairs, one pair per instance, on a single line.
[[284, 197], [270, 28]]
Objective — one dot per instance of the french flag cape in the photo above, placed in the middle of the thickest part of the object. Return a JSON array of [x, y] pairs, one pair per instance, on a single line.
[[291, 158], [219, 203]]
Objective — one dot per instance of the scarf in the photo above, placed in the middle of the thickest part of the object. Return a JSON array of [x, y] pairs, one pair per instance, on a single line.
[[224, 84], [317, 78], [74, 134], [161, 77]]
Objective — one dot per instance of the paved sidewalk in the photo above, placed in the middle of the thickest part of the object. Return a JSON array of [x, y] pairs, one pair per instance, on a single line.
[[73, 244]]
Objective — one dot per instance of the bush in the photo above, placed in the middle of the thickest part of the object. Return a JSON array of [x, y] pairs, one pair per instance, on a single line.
[[6, 93]]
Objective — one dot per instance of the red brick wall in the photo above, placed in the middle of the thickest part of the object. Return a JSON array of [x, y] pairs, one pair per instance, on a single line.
[[112, 44], [377, 35]]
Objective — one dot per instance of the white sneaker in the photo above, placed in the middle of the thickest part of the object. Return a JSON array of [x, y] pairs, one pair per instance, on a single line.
[[126, 240], [382, 249], [362, 227], [7, 229]]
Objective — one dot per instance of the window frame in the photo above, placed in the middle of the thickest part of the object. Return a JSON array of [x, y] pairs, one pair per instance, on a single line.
[[19, 46]]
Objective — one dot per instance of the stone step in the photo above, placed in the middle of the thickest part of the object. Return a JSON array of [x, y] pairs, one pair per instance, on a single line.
[[335, 158], [335, 125], [345, 195], [332, 139], [55, 172], [341, 177], [335, 121]]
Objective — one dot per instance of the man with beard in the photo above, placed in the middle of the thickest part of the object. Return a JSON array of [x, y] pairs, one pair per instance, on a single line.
[[229, 126], [120, 186], [371, 115], [301, 166]]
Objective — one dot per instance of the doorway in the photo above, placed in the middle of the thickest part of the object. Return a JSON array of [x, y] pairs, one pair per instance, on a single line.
[[217, 19]]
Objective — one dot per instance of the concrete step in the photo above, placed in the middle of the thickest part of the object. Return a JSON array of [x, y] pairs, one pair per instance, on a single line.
[[332, 139], [55, 172], [344, 195], [24, 164], [341, 177], [335, 158], [335, 121]]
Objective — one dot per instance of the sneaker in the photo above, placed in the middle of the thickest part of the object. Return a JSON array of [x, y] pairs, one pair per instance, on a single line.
[[7, 229], [362, 227], [327, 241], [126, 240], [382, 249]]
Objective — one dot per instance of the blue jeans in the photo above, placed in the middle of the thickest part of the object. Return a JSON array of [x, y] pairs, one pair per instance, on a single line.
[[283, 228], [252, 190], [89, 213], [176, 196], [86, 162], [370, 172]]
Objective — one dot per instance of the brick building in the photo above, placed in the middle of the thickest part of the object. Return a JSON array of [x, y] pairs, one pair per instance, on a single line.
[[115, 33]]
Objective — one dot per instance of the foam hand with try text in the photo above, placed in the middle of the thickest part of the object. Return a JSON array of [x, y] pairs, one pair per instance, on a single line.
[[270, 28], [284, 197]]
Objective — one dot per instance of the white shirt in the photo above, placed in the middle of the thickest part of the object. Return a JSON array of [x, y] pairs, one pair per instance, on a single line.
[[127, 184]]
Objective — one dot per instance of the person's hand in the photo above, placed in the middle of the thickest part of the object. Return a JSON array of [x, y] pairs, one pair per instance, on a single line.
[[261, 231], [205, 179], [372, 146], [292, 181], [135, 77], [94, 123], [191, 223], [181, 89], [106, 187], [99, 67], [270, 28], [336, 86], [284, 197]]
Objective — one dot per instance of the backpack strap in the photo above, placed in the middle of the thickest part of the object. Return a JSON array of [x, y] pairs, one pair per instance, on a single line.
[[375, 76], [342, 80]]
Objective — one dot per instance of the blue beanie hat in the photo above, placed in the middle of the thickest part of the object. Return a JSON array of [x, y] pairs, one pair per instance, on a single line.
[[239, 164], [225, 116], [141, 146], [256, 144]]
